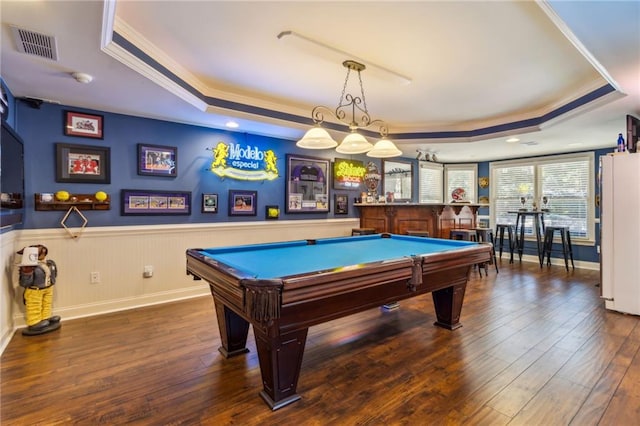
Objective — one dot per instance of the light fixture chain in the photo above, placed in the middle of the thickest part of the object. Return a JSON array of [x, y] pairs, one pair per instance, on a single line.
[[364, 101], [344, 87]]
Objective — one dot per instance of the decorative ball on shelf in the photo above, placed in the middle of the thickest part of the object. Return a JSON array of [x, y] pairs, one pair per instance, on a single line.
[[62, 195], [101, 196]]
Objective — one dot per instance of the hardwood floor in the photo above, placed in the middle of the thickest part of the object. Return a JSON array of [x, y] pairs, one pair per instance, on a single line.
[[537, 347]]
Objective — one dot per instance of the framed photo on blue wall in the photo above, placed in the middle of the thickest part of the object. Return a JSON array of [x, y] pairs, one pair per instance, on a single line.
[[209, 203], [307, 189], [83, 163], [83, 125], [137, 202], [243, 203], [157, 160]]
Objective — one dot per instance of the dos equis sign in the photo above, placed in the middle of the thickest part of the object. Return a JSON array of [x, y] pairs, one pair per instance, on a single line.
[[243, 162]]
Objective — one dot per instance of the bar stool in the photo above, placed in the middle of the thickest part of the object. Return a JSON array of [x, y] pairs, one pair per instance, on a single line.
[[417, 232], [463, 234], [547, 247], [468, 235], [363, 231], [500, 228], [486, 235]]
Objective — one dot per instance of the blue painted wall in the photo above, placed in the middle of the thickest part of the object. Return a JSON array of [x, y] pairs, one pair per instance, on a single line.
[[42, 128]]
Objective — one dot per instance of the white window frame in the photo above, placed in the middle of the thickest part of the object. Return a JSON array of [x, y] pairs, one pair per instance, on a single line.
[[538, 161], [422, 177], [472, 186]]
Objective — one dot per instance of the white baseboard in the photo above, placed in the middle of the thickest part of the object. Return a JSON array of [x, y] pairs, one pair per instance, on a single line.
[[110, 306]]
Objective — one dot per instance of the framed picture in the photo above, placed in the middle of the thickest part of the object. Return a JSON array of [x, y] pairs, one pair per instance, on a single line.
[[157, 160], [136, 202], [307, 190], [341, 203], [83, 125], [209, 203], [242, 203], [83, 163]]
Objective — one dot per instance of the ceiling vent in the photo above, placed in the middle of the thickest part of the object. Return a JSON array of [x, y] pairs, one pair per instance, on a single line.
[[33, 43]]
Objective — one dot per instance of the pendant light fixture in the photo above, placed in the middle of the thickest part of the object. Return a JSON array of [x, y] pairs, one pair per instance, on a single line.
[[351, 111]]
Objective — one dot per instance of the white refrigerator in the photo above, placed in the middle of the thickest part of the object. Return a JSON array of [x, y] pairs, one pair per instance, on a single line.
[[620, 232]]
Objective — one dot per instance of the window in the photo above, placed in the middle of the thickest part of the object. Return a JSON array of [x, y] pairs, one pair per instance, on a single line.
[[565, 181], [463, 176], [430, 182]]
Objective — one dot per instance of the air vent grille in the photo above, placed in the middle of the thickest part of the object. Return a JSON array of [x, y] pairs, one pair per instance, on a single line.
[[33, 43]]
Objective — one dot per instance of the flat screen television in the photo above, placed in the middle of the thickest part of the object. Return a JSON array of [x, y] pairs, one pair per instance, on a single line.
[[11, 177], [633, 128]]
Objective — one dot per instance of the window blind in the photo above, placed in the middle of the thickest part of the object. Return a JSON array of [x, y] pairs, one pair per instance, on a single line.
[[430, 180]]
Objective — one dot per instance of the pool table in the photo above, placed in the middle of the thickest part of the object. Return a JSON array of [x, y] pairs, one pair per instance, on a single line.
[[284, 288]]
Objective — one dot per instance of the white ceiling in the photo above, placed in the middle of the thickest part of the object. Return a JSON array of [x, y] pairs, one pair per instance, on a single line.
[[473, 65]]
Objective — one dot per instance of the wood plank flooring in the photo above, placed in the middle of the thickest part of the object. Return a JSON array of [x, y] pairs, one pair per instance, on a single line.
[[537, 347]]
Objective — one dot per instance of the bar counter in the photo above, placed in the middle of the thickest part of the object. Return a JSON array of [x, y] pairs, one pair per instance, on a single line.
[[435, 218]]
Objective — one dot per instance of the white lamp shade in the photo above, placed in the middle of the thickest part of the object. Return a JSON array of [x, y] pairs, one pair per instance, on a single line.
[[354, 143], [384, 148], [316, 138]]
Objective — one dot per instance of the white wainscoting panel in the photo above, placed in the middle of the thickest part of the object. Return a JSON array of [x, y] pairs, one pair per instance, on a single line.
[[120, 253]]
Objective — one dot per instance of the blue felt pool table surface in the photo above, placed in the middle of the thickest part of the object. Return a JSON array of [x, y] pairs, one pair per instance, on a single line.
[[276, 260]]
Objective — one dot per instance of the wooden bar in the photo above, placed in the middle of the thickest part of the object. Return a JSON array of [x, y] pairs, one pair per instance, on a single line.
[[398, 218]]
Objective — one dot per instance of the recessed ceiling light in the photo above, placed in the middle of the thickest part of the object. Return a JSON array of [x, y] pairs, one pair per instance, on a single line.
[[512, 140], [232, 125]]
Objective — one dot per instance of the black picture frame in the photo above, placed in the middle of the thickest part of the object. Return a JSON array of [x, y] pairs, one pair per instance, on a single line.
[[307, 184], [83, 125], [157, 160], [83, 163], [341, 203], [145, 202], [209, 203], [243, 203]]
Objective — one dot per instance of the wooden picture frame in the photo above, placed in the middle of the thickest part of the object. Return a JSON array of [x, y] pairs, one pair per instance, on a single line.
[[83, 163], [83, 125], [209, 203], [243, 203], [157, 160], [138, 202], [307, 186], [341, 203]]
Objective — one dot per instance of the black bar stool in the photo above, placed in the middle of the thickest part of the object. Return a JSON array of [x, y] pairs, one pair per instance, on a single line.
[[500, 228], [486, 235], [363, 231], [468, 235], [417, 232], [567, 249]]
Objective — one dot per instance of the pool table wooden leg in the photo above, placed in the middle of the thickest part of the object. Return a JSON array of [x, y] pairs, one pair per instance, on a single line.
[[448, 305], [280, 361], [233, 331]]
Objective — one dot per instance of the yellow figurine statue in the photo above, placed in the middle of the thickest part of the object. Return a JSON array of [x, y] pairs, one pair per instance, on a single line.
[[37, 275]]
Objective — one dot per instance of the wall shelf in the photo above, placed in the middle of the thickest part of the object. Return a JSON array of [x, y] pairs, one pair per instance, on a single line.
[[79, 201]]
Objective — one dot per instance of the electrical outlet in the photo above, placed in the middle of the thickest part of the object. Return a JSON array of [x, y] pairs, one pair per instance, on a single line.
[[598, 249], [95, 277], [148, 271]]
